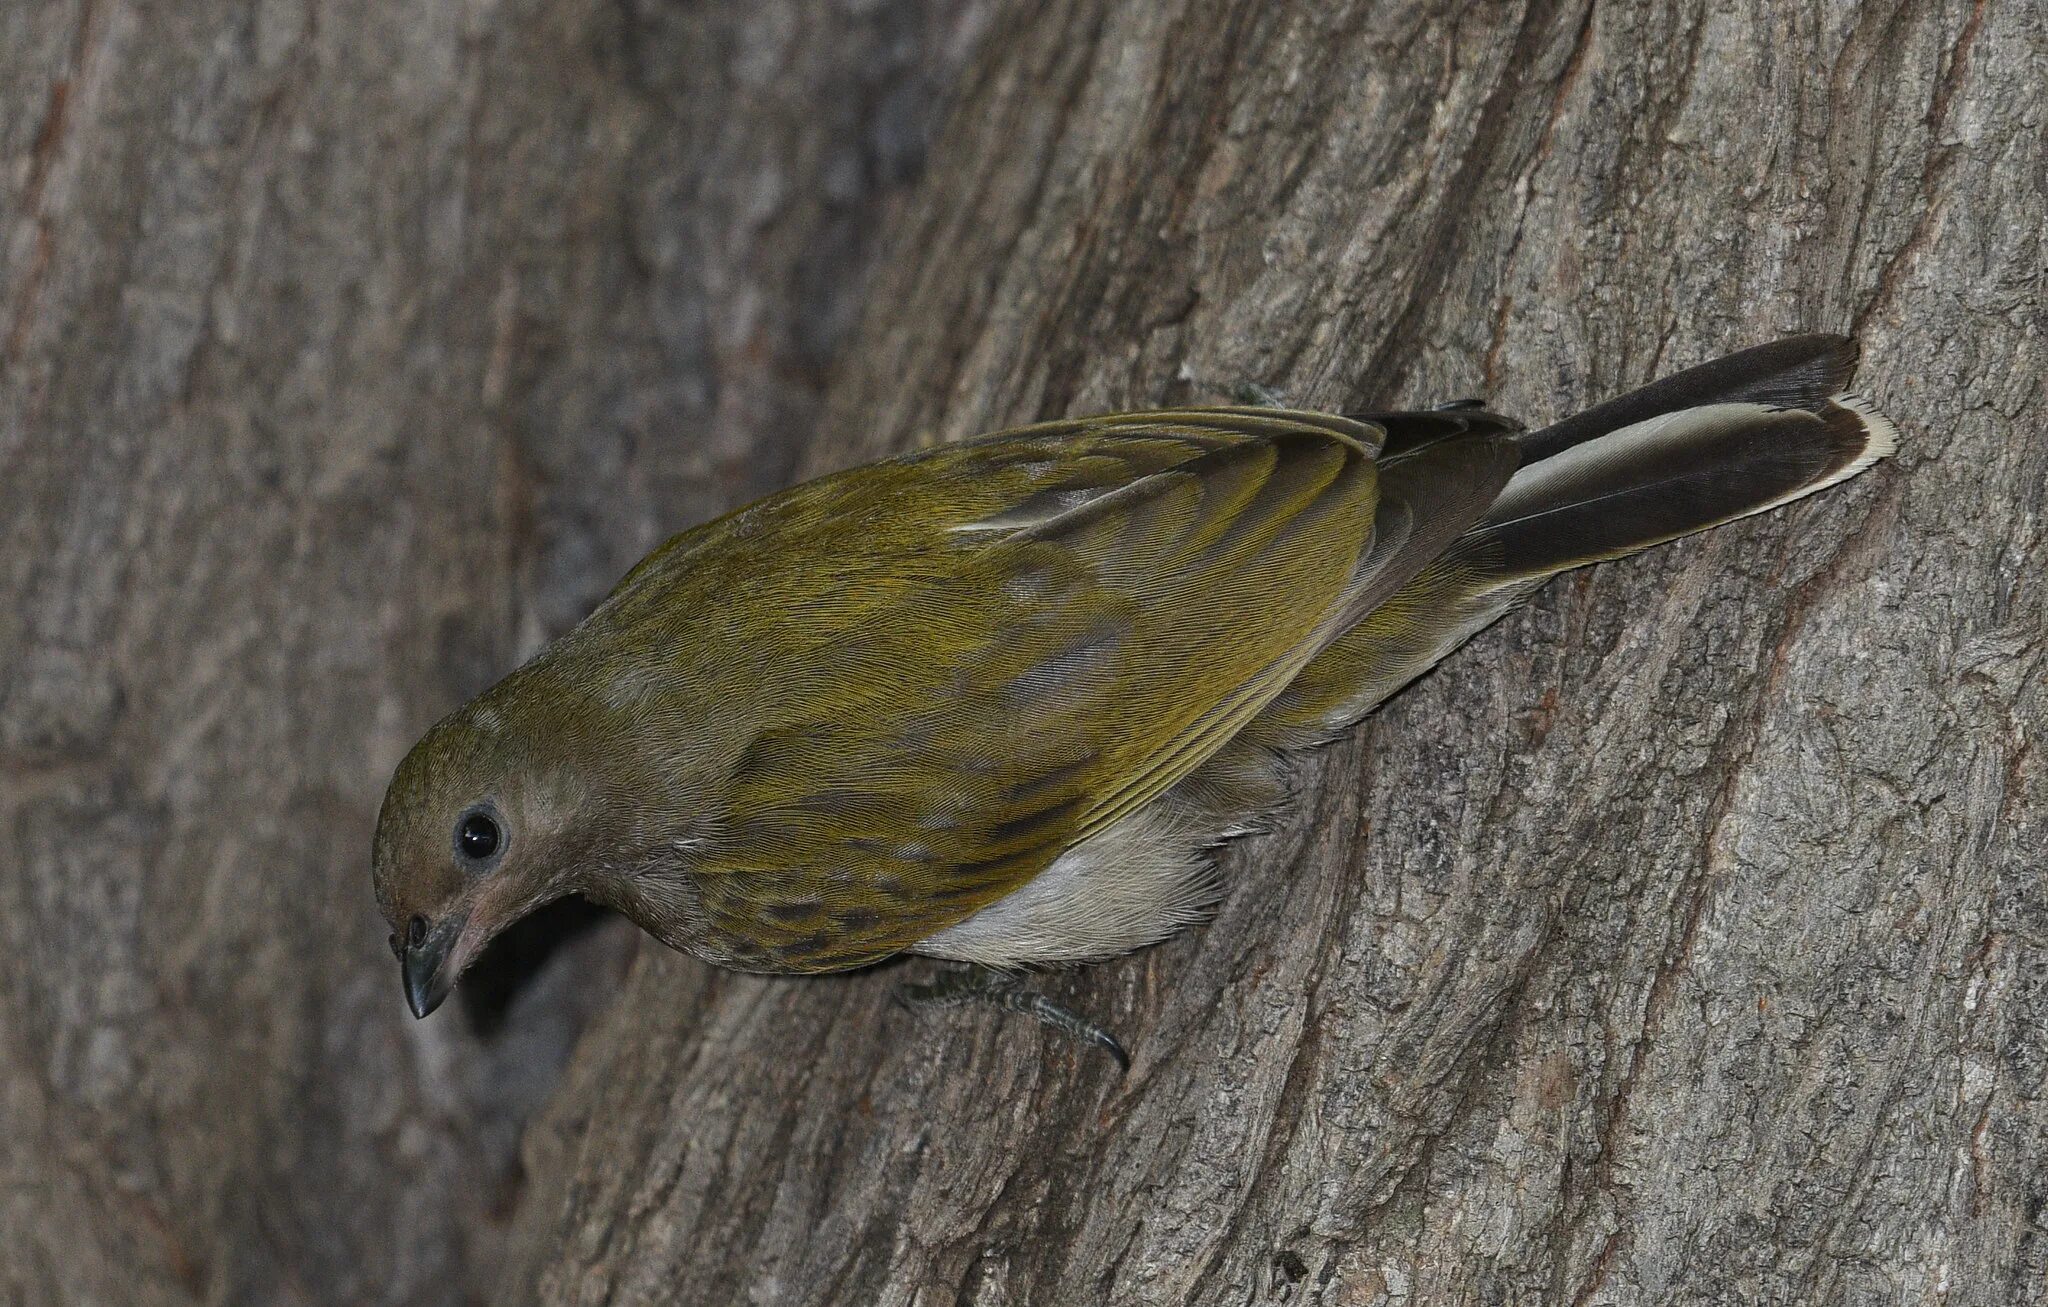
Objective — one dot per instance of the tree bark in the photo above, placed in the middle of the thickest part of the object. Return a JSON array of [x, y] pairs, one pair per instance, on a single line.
[[346, 353], [1681, 940]]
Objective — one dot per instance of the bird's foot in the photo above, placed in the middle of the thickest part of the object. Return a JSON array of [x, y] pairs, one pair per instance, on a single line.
[[1000, 989]]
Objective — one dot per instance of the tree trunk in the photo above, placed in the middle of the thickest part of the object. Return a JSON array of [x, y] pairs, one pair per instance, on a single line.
[[345, 354], [1681, 939]]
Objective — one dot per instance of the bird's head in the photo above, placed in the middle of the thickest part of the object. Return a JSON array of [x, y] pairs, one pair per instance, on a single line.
[[477, 830]]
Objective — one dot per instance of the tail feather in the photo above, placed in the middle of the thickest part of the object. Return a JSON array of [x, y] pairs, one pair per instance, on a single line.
[[1797, 372], [1672, 475], [1741, 435]]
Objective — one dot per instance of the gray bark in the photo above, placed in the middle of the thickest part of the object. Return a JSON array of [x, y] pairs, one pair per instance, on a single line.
[[1680, 940], [349, 352]]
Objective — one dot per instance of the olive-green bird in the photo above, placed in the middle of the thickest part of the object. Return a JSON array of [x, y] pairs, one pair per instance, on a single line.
[[998, 701]]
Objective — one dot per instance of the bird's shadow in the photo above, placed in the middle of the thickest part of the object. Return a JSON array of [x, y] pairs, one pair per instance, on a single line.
[[493, 983]]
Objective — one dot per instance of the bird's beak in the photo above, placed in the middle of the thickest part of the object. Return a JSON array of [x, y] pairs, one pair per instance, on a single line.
[[427, 971]]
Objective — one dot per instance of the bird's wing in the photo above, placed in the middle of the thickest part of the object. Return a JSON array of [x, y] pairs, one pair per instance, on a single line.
[[970, 695], [982, 487]]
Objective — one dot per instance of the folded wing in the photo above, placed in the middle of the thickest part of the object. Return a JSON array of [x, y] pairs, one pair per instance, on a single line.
[[1044, 665]]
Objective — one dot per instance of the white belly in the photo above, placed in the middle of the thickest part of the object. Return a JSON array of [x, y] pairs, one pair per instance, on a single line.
[[1143, 879]]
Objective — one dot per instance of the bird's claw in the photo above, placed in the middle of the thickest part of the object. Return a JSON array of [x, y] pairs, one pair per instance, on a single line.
[[1000, 989]]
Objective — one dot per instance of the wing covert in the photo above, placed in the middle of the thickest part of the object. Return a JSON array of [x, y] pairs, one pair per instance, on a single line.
[[1047, 667]]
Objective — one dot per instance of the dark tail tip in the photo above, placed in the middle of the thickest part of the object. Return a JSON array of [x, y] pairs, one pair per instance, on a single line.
[[1796, 372], [1675, 474]]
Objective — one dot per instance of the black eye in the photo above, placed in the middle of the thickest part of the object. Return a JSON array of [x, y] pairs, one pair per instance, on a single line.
[[397, 949], [415, 932], [477, 836]]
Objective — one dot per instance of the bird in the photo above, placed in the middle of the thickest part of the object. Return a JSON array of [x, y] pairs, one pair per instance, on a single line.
[[997, 702]]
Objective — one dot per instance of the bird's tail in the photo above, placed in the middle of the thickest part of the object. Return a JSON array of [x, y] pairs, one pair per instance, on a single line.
[[1730, 438], [1737, 436]]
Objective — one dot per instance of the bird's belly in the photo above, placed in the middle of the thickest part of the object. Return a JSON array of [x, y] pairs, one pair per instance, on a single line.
[[1145, 878]]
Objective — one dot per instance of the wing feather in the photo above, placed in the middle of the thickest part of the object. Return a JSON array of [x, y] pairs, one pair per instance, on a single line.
[[1030, 679]]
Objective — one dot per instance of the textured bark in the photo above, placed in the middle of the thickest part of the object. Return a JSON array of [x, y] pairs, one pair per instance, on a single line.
[[349, 352], [1682, 939]]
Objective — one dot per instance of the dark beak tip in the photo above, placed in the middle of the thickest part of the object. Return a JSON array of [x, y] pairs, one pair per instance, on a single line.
[[426, 981]]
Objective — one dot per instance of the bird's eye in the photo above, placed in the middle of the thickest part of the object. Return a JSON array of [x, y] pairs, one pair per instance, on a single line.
[[477, 836], [415, 932], [397, 949]]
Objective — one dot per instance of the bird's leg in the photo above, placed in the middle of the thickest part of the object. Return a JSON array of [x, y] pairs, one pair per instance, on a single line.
[[982, 985]]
